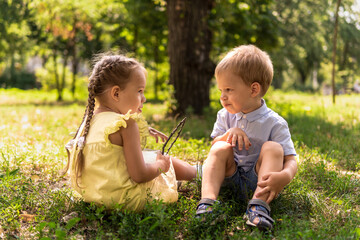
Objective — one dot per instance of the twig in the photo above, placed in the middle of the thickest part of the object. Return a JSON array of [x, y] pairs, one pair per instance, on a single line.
[[180, 125]]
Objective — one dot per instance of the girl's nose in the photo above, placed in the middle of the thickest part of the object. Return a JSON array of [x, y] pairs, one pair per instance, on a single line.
[[143, 99]]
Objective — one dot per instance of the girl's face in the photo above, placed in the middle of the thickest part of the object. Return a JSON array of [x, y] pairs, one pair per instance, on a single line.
[[132, 97]]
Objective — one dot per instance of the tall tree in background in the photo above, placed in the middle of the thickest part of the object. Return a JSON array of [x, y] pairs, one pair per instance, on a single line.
[[303, 33], [14, 40], [189, 45], [147, 21], [334, 49], [62, 24]]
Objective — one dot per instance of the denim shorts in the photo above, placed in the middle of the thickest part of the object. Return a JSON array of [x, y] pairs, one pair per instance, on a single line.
[[241, 185]]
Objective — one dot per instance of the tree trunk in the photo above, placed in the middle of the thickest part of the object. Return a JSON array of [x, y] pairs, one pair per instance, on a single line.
[[62, 83], [334, 50], [190, 41], [75, 61], [12, 79], [303, 76], [156, 60], [57, 79], [75, 67]]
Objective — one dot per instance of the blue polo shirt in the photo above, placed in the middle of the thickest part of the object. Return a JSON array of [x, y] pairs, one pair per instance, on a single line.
[[260, 126]]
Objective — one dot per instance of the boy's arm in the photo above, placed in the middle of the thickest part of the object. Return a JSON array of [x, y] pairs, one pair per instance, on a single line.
[[274, 182], [290, 167]]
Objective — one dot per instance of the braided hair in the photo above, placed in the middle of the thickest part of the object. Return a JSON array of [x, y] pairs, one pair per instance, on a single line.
[[108, 71]]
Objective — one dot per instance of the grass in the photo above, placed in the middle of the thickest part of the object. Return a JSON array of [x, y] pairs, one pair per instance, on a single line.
[[36, 202]]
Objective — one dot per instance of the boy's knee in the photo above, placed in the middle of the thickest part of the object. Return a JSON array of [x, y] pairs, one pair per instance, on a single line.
[[222, 153], [273, 148], [221, 150]]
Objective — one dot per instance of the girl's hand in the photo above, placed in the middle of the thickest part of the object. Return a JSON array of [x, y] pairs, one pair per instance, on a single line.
[[163, 161], [272, 183], [157, 134]]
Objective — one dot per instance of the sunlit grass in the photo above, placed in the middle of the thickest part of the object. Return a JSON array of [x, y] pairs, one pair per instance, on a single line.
[[322, 202]]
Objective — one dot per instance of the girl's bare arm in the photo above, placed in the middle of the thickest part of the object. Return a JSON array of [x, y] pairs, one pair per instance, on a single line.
[[138, 170]]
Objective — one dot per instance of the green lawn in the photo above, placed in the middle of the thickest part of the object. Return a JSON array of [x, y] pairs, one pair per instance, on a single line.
[[322, 202]]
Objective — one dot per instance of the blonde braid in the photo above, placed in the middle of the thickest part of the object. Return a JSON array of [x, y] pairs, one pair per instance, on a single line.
[[80, 162], [64, 171]]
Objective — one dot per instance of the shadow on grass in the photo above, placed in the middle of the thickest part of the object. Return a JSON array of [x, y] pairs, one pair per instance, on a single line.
[[338, 143]]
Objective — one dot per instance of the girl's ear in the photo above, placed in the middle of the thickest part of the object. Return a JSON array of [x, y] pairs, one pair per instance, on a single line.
[[255, 89], [115, 93]]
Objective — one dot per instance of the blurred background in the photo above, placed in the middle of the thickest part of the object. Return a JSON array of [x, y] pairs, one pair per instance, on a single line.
[[48, 44]]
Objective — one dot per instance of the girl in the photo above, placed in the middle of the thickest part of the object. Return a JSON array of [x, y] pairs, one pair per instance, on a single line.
[[107, 165]]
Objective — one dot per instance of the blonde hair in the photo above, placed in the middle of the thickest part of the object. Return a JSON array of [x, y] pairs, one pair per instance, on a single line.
[[108, 71], [250, 63]]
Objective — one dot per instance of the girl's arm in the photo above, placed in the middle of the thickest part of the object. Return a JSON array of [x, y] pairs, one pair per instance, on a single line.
[[140, 171]]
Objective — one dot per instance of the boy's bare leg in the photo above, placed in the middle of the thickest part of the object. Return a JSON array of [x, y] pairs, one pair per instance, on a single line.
[[183, 170], [271, 159], [218, 165]]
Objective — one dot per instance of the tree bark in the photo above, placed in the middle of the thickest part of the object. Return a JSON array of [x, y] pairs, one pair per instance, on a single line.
[[56, 75], [190, 41], [75, 66], [334, 51]]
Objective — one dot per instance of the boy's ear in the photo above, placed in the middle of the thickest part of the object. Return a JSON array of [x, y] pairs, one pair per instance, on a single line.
[[255, 89], [115, 92]]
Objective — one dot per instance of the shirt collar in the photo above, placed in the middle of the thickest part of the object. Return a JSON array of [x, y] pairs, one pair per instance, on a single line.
[[254, 115]]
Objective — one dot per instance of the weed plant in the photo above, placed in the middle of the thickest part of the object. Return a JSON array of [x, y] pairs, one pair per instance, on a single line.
[[36, 201]]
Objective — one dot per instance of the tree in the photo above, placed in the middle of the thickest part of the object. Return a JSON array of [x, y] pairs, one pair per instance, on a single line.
[[303, 36], [61, 23], [189, 46], [334, 48], [147, 21], [15, 40]]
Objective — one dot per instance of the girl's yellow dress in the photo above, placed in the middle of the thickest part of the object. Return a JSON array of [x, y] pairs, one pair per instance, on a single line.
[[105, 179]]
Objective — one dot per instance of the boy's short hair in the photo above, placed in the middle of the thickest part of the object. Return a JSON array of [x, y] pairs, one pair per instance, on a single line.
[[250, 63]]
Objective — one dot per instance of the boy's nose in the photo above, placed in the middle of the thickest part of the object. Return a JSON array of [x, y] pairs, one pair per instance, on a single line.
[[144, 99]]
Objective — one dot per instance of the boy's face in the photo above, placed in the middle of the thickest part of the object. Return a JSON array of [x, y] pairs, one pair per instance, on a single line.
[[236, 96]]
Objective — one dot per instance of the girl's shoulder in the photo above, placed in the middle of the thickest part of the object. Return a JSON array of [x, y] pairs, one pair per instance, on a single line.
[[113, 122]]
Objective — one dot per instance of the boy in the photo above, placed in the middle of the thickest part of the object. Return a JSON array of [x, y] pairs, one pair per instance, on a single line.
[[252, 149]]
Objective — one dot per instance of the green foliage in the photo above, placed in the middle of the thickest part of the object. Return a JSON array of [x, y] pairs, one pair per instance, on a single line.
[[19, 79], [295, 33]]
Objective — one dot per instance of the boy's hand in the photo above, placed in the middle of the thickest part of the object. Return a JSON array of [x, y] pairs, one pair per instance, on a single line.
[[163, 161], [234, 135], [157, 134], [272, 183]]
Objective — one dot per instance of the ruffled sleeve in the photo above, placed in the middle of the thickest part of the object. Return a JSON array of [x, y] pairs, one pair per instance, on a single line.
[[120, 121]]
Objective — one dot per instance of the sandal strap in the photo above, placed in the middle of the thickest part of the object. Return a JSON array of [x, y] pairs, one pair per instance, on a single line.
[[257, 213], [259, 202], [207, 201]]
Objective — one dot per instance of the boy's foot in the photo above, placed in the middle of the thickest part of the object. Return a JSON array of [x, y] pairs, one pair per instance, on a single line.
[[258, 215], [205, 206]]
